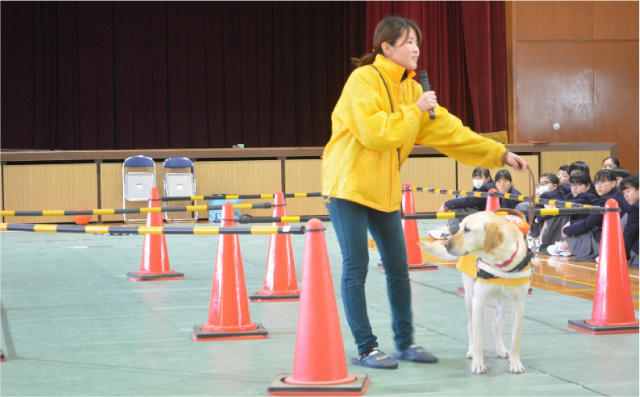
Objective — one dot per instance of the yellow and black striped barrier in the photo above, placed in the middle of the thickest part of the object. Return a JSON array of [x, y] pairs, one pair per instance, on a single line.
[[103, 229], [144, 210], [423, 215], [284, 219], [238, 196], [540, 211], [557, 203]]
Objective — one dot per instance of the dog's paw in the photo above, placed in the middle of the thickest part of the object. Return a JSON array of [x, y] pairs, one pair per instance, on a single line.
[[516, 367], [503, 353], [469, 354], [478, 367]]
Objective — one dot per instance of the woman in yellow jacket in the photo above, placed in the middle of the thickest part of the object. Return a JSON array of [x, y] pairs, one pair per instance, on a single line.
[[379, 117]]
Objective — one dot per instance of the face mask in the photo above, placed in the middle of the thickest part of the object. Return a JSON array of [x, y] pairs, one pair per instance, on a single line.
[[543, 189], [477, 183]]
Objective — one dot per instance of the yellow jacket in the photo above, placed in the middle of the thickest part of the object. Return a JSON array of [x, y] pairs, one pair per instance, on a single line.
[[361, 162]]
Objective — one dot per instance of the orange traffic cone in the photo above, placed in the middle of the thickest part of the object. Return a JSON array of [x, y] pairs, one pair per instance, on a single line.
[[613, 311], [229, 316], [155, 257], [467, 264], [280, 282], [319, 364], [411, 238]]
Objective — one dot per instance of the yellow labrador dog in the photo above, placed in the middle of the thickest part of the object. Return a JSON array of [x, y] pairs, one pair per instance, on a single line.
[[503, 274]]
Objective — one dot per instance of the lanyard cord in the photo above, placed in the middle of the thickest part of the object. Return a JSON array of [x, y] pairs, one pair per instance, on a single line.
[[390, 103]]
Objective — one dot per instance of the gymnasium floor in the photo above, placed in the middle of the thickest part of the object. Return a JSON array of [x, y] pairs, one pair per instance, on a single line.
[[73, 324]]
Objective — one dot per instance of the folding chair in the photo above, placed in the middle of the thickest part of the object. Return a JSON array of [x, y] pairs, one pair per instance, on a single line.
[[138, 177], [179, 178]]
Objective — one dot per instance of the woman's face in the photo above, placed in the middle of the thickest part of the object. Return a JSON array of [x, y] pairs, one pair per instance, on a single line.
[[544, 181], [563, 176], [577, 188], [482, 178], [630, 194], [604, 187], [405, 52], [503, 185], [608, 164]]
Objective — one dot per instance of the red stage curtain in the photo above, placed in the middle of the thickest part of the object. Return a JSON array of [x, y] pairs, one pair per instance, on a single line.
[[128, 75], [464, 52]]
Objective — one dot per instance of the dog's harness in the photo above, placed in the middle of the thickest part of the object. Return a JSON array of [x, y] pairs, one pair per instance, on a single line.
[[519, 275]]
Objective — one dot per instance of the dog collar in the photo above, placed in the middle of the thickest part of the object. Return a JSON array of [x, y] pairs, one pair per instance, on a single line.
[[485, 271], [508, 262]]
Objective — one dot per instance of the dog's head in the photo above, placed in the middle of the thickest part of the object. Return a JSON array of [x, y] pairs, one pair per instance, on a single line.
[[484, 234]]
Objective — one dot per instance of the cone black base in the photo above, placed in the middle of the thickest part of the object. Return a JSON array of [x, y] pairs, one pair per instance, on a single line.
[[582, 326], [424, 266], [154, 277], [274, 298], [199, 335], [358, 387]]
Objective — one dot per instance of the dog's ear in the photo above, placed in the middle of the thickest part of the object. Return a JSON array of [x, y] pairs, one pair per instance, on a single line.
[[493, 236]]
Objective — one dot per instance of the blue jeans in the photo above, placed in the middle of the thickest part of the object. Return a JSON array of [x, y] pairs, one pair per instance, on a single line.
[[351, 221]]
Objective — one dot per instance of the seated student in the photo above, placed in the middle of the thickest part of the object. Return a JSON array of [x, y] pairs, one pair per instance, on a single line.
[[581, 187], [629, 187], [482, 182], [582, 237], [579, 166], [610, 162], [563, 177], [620, 173], [503, 185], [548, 229]]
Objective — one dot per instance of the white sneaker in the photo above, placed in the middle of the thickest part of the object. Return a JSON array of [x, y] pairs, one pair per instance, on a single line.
[[558, 251], [441, 233]]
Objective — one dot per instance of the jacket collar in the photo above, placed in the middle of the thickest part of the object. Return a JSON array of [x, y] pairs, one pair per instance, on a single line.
[[392, 69]]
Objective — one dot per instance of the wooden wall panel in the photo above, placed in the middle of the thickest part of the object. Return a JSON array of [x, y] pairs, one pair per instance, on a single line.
[[239, 177], [554, 20], [555, 85], [520, 179], [615, 20], [304, 176], [575, 64], [434, 172], [551, 161], [616, 94], [49, 187]]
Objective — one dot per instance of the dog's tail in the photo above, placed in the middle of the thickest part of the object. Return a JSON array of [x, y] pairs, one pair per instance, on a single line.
[[437, 250]]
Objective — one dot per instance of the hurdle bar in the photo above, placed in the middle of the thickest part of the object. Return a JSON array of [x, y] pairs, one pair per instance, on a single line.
[[425, 215], [144, 210], [197, 230], [566, 204], [238, 196], [284, 219]]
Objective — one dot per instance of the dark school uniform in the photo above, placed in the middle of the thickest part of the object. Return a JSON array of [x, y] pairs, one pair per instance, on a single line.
[[506, 203], [477, 203], [631, 231]]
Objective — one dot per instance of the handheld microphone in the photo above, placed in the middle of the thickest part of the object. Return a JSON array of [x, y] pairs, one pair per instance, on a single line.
[[424, 80]]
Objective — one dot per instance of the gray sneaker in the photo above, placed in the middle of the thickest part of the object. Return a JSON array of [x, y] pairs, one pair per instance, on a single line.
[[375, 359], [417, 354]]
